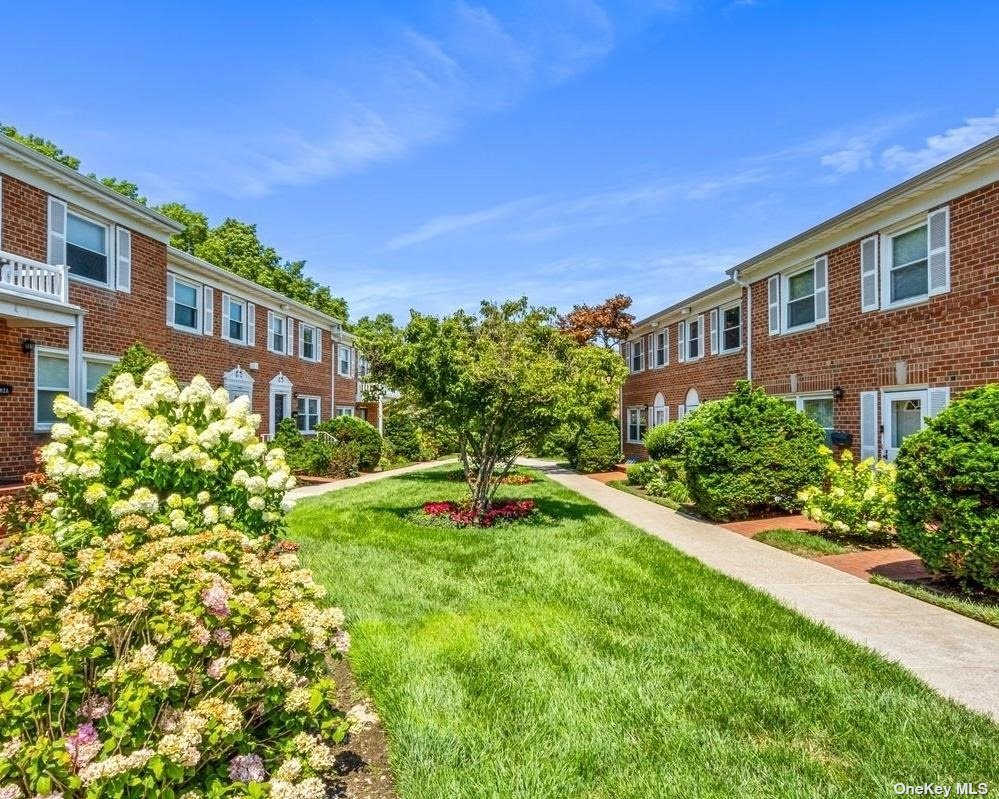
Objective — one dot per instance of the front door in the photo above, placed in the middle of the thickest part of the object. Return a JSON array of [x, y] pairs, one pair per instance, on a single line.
[[281, 408], [902, 413]]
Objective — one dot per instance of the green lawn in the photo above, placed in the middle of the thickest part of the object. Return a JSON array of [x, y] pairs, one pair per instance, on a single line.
[[808, 545], [587, 659]]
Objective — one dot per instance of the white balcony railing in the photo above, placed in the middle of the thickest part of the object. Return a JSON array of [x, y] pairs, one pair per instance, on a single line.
[[27, 278]]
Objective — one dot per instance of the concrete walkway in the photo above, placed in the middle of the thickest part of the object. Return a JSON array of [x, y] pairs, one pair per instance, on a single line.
[[317, 489], [956, 656]]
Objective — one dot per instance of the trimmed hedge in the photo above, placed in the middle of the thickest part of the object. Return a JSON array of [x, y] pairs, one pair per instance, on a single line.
[[666, 440], [597, 448], [948, 490], [750, 453], [350, 429]]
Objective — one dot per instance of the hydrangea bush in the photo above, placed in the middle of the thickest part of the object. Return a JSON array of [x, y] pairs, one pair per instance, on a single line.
[[156, 637], [857, 499]]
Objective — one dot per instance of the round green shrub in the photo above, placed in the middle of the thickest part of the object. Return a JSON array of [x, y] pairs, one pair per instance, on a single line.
[[666, 440], [403, 433], [136, 361], [351, 430], [639, 474], [948, 490], [597, 448], [749, 454]]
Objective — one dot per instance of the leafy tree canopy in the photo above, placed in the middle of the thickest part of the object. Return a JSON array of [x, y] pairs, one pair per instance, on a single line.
[[609, 322], [502, 379], [233, 245]]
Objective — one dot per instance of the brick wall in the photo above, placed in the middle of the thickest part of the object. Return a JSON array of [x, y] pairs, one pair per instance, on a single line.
[[115, 320]]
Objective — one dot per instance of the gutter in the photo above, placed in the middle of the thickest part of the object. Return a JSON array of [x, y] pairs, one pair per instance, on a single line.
[[740, 281]]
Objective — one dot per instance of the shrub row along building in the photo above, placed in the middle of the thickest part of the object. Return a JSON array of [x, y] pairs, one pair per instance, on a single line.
[[869, 322], [85, 273]]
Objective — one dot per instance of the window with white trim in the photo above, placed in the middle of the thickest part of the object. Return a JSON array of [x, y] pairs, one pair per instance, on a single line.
[[87, 248], [798, 297], [662, 348], [237, 321], [363, 367], [186, 304], [344, 410], [344, 361], [636, 425], [637, 355], [276, 332], [731, 328], [307, 349], [695, 338], [308, 413], [817, 407], [906, 265], [52, 379], [660, 411]]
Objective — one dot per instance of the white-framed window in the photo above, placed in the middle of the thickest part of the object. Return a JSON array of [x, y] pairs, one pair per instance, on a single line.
[[660, 411], [817, 407], [87, 251], [636, 425], [345, 361], [661, 355], [344, 410], [239, 383], [308, 343], [799, 299], [636, 359], [235, 327], [277, 330], [692, 401], [363, 367], [308, 413], [731, 327], [695, 338], [187, 302], [52, 379], [906, 263]]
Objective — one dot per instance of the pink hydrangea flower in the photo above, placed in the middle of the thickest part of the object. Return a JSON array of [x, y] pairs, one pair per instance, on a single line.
[[247, 768], [222, 636], [216, 600], [84, 744]]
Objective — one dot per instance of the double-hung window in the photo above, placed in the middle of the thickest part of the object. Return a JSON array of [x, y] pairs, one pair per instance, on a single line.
[[276, 333], [637, 360], [237, 321], [186, 305], [344, 361], [907, 265], [87, 248], [636, 425], [731, 328], [344, 410], [799, 303], [662, 348], [308, 349], [695, 338], [308, 413], [52, 379], [818, 408]]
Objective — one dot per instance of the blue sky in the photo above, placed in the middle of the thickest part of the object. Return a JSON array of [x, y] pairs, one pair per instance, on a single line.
[[430, 154]]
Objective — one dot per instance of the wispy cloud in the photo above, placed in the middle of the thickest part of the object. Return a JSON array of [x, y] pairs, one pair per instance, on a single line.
[[856, 155], [942, 146], [454, 223]]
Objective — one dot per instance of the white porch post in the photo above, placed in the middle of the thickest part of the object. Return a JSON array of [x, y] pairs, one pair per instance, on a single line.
[[77, 373]]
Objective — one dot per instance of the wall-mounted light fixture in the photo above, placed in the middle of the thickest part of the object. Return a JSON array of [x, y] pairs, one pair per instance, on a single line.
[[838, 393], [27, 346]]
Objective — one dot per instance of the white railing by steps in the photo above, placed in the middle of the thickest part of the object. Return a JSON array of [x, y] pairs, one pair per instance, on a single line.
[[27, 278]]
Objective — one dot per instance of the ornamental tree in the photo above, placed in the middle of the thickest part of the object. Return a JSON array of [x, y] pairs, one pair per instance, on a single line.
[[502, 380], [608, 323]]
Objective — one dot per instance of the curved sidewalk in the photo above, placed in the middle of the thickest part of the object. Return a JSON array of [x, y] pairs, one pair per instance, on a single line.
[[956, 656]]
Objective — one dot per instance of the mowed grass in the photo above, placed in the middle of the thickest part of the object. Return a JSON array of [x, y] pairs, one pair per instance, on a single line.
[[584, 658], [799, 542]]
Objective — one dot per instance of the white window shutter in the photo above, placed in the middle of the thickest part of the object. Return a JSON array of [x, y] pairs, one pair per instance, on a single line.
[[270, 330], [57, 231], [938, 224], [665, 413], [773, 300], [289, 336], [681, 411], [714, 331], [868, 424], [171, 294], [700, 332], [251, 324], [821, 289], [225, 317], [869, 274], [650, 418], [650, 349], [208, 315], [681, 341], [937, 400], [666, 345], [318, 344], [123, 258]]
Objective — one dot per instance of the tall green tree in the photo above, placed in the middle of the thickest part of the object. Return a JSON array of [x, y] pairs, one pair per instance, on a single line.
[[501, 379], [44, 146], [195, 226]]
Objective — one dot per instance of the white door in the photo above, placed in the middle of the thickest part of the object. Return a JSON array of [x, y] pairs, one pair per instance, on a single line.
[[280, 408], [902, 414]]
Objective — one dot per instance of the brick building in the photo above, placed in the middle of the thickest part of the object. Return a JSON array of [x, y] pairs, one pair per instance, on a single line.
[[869, 322], [85, 273]]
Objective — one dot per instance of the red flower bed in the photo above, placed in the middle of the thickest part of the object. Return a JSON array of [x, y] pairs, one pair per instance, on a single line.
[[505, 510]]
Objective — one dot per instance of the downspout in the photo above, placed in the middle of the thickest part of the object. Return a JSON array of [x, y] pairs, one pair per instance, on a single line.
[[333, 362], [749, 324]]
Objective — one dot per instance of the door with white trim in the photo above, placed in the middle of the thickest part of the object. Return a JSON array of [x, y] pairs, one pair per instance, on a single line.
[[902, 414], [280, 400]]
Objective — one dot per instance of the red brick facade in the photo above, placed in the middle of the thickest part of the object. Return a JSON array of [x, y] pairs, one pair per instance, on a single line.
[[929, 350], [112, 320]]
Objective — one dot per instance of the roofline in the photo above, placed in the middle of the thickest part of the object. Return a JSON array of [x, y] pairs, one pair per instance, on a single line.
[[701, 295], [193, 262], [985, 149], [63, 174]]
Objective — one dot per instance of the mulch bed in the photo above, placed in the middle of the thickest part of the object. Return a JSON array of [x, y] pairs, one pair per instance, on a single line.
[[362, 760]]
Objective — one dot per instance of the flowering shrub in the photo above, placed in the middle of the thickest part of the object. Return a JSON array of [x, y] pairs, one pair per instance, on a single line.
[[463, 515], [181, 456], [155, 641], [858, 499]]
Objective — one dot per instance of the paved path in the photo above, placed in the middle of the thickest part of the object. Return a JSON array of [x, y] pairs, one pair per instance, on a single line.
[[316, 489], [955, 655]]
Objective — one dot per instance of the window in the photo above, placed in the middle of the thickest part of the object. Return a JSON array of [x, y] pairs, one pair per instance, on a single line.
[[637, 356], [238, 383], [308, 414], [344, 411], [186, 305], [800, 303], [817, 408], [52, 379], [731, 328], [695, 332], [662, 348], [660, 411], [363, 367], [277, 332], [237, 321], [636, 425], [908, 265], [307, 343], [87, 248], [346, 357]]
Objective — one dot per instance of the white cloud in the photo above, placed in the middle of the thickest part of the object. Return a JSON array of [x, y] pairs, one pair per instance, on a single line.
[[454, 223], [856, 155], [942, 146]]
